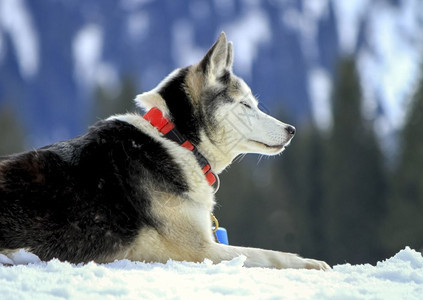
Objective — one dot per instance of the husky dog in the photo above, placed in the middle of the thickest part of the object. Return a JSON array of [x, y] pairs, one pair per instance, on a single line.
[[142, 188]]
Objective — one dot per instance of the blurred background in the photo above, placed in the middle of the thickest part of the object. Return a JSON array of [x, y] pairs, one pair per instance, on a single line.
[[347, 74]]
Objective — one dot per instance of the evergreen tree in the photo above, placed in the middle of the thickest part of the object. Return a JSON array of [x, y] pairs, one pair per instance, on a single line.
[[307, 171], [354, 179], [404, 224], [11, 133], [275, 204], [253, 205], [109, 103], [257, 205], [235, 205]]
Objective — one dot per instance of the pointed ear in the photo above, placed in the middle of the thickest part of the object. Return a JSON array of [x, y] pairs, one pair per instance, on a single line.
[[152, 99], [218, 58], [230, 57]]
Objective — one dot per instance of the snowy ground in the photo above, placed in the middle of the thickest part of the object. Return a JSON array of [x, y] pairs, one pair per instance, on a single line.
[[400, 277]]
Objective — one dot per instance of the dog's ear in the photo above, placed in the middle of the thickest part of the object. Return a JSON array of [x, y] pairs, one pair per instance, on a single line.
[[218, 59], [230, 56]]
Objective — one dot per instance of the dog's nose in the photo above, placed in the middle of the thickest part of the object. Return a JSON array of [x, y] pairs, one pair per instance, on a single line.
[[290, 129]]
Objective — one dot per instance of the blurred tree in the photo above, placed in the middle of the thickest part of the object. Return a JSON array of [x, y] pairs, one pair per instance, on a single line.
[[284, 221], [256, 206], [306, 171], [11, 132], [236, 197], [109, 102], [260, 202], [404, 223], [354, 190]]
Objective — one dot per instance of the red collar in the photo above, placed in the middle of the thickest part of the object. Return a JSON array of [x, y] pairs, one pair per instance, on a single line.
[[165, 126]]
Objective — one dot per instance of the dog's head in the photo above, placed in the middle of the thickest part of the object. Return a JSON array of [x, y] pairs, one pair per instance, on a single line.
[[216, 110]]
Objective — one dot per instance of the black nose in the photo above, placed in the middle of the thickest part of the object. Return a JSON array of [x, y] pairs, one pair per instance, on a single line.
[[290, 129]]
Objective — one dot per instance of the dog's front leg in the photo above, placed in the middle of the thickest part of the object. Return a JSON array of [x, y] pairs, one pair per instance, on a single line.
[[264, 258]]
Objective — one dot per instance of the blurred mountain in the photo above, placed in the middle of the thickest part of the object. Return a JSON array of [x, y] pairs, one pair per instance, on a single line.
[[55, 54]]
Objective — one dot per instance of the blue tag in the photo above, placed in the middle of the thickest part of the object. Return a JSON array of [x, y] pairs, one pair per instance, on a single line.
[[222, 235]]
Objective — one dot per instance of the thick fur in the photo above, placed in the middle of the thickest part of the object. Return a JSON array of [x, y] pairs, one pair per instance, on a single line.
[[123, 190]]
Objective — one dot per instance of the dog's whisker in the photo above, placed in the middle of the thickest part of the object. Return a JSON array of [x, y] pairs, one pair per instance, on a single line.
[[240, 157], [260, 158]]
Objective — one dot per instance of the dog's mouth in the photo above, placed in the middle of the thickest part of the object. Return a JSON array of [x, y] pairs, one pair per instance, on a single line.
[[270, 147]]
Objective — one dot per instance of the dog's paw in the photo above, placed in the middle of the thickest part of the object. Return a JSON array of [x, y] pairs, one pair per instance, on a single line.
[[316, 264]]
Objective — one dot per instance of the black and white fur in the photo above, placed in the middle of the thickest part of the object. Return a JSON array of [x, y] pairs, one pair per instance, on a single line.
[[123, 190]]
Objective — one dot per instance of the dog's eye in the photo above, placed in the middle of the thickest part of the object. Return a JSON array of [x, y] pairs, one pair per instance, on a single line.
[[246, 104]]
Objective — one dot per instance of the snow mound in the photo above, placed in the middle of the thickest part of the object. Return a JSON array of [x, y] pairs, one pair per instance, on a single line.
[[399, 277]]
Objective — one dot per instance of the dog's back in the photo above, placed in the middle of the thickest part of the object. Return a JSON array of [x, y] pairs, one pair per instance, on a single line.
[[81, 200]]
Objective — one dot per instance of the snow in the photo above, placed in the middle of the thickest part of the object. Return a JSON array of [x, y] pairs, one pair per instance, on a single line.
[[390, 67], [248, 33], [138, 25], [400, 277], [87, 50], [89, 68], [305, 22], [320, 86], [184, 50], [350, 14], [16, 21], [388, 60]]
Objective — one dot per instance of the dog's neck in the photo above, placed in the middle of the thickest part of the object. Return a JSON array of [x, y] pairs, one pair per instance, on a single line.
[[218, 157], [168, 129]]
